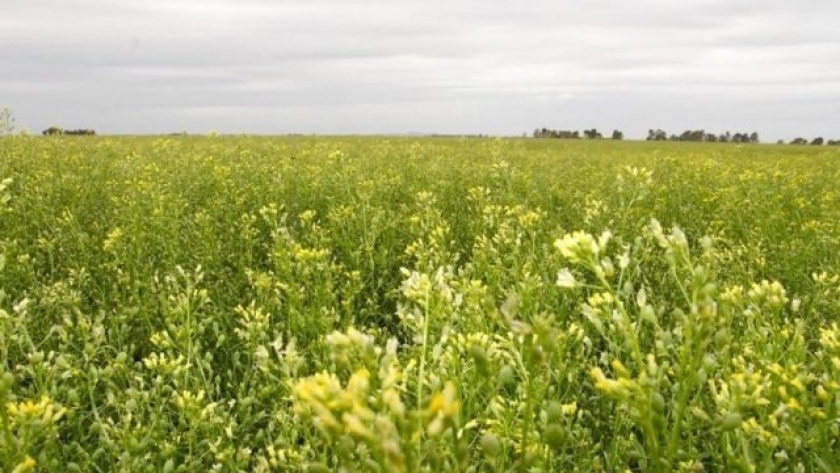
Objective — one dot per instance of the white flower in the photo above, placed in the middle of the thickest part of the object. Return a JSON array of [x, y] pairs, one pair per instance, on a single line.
[[566, 279], [578, 247]]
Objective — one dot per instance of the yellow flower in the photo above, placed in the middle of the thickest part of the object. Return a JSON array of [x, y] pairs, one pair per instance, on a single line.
[[27, 464], [44, 409], [355, 427], [608, 386], [443, 408], [580, 247], [569, 409]]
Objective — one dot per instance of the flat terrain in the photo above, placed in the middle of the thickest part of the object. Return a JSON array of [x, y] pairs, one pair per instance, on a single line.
[[402, 305]]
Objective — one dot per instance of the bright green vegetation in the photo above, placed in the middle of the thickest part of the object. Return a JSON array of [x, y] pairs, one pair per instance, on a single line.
[[400, 305]]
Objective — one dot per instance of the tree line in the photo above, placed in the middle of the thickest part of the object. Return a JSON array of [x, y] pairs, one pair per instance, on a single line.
[[818, 141], [592, 134], [54, 131], [688, 135], [703, 136]]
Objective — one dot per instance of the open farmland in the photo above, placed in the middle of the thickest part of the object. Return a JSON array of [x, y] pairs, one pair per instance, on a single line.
[[405, 305]]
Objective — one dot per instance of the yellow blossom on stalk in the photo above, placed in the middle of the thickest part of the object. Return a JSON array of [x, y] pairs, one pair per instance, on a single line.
[[390, 375], [320, 395], [817, 413], [44, 409], [355, 427], [391, 398], [417, 286], [830, 337], [112, 239], [771, 293], [569, 409], [620, 369], [577, 247], [732, 294], [443, 408], [307, 216], [752, 427], [608, 386], [530, 219], [359, 384], [305, 255], [28, 464], [342, 344]]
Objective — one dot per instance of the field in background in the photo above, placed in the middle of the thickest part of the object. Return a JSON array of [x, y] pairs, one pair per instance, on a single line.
[[402, 305]]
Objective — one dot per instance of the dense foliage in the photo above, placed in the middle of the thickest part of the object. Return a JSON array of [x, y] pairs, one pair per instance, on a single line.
[[399, 305]]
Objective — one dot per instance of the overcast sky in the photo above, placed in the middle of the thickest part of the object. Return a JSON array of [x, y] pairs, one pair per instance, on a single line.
[[397, 66]]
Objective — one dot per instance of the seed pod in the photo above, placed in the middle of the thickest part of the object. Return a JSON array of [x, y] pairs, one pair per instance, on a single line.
[[742, 466], [6, 383], [730, 422], [659, 422], [554, 411], [490, 445], [657, 402], [554, 436], [507, 376], [482, 361], [317, 468]]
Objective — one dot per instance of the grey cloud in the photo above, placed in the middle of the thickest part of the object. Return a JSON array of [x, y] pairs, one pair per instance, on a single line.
[[396, 66]]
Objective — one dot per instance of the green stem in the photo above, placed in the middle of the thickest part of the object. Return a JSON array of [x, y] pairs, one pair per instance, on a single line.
[[7, 429], [455, 447], [422, 369], [687, 365]]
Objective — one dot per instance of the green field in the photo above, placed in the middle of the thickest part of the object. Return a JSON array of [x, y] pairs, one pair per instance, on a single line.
[[405, 305]]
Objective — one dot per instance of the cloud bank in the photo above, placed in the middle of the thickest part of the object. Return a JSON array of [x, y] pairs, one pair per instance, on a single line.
[[375, 66]]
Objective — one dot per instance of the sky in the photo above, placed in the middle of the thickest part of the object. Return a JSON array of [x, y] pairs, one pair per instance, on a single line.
[[432, 66]]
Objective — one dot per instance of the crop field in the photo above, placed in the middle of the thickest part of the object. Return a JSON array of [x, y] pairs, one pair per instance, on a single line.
[[191, 304]]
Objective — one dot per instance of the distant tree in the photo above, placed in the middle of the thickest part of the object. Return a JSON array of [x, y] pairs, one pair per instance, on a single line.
[[88, 132], [617, 135], [592, 134], [7, 121], [833, 143], [818, 141], [696, 136], [799, 141], [548, 133], [745, 138], [52, 131], [657, 135], [780, 142]]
